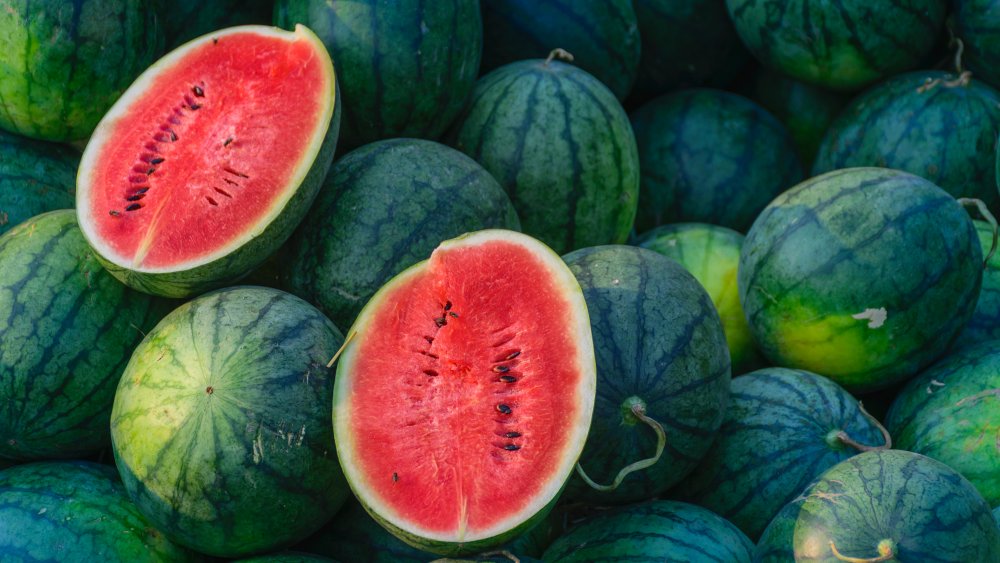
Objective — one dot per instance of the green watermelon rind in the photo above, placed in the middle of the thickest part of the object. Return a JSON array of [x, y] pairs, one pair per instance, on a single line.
[[35, 177]]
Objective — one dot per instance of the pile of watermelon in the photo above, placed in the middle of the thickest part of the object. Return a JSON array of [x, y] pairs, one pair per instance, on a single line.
[[499, 280]]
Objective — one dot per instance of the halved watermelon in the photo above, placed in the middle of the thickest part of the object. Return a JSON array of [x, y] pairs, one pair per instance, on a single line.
[[465, 394], [210, 159]]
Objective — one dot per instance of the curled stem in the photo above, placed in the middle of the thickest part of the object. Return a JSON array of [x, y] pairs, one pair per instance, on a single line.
[[661, 442], [886, 438], [885, 550], [968, 202], [559, 53]]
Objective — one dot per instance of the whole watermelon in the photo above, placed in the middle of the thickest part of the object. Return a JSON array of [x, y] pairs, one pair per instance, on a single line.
[[63, 63], [985, 322], [659, 345], [864, 275], [562, 147], [222, 427], [710, 156], [892, 504], [184, 20], [976, 24], [67, 328], [404, 69], [929, 123], [35, 177]]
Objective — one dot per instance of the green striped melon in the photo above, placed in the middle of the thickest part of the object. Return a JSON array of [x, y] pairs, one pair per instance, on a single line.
[[985, 322], [660, 347], [35, 177], [405, 68], [561, 145], [383, 208], [184, 20], [976, 24], [67, 328], [864, 275], [221, 424], [62, 63]]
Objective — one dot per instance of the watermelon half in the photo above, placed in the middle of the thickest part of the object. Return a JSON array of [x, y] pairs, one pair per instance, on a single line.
[[464, 396], [210, 159]]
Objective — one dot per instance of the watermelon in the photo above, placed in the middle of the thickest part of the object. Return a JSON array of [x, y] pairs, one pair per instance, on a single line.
[[464, 394], [35, 177], [884, 506], [75, 512], [406, 68], [712, 254], [221, 424], [383, 208], [657, 531], [561, 145], [929, 123], [204, 135], [660, 346], [67, 329], [287, 557], [985, 322], [864, 275], [710, 156], [184, 20], [783, 428], [63, 63], [844, 45], [949, 413], [976, 24], [602, 34]]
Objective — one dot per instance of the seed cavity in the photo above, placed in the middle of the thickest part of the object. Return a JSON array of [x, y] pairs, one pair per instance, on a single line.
[[505, 409], [195, 106], [198, 91], [211, 201], [429, 339], [222, 191], [431, 372], [440, 321], [234, 172]]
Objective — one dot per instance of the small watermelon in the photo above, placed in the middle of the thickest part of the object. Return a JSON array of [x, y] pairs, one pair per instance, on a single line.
[[864, 275], [63, 63], [929, 123], [712, 254], [660, 348], [985, 322], [782, 429], [210, 160], [221, 424], [465, 392], [405, 68], [844, 45], [561, 145], [884, 506], [950, 413], [35, 177], [710, 156], [977, 25], [383, 208]]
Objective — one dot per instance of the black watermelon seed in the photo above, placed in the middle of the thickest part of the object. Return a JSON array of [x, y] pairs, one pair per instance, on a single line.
[[198, 91], [512, 435], [508, 379], [504, 408], [133, 207], [512, 447], [501, 369]]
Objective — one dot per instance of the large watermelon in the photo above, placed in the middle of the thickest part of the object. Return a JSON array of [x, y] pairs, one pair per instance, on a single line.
[[602, 34], [465, 393], [63, 63], [950, 413], [846, 44], [561, 145], [221, 425], [183, 20], [976, 24], [660, 346], [864, 275], [658, 531], [405, 68], [929, 123], [710, 156], [985, 322], [75, 512], [35, 177], [383, 208], [782, 429], [884, 506], [210, 159], [67, 328]]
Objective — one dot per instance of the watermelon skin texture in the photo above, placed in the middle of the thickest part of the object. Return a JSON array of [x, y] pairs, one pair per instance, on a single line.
[[183, 20], [75, 512], [383, 208], [222, 427], [657, 337], [947, 134], [63, 63], [777, 437], [842, 45], [405, 68], [949, 413], [67, 329], [562, 147], [602, 35], [985, 322], [710, 156], [930, 513], [976, 24], [663, 531], [35, 177], [863, 275], [287, 557]]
